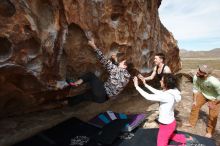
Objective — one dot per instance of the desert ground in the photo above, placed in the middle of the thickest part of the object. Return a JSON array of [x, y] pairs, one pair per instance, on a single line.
[[14, 129]]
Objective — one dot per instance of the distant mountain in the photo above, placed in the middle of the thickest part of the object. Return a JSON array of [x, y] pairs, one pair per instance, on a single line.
[[215, 53]]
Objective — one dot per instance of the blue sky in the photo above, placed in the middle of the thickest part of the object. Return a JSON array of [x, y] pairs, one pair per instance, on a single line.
[[195, 24]]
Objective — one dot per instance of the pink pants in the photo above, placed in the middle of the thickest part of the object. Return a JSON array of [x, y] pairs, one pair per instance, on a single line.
[[166, 133]]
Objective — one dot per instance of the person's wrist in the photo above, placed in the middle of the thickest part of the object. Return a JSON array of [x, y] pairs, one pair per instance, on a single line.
[[94, 47]]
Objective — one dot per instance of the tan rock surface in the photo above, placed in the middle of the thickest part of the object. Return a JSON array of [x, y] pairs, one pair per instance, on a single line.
[[44, 41]]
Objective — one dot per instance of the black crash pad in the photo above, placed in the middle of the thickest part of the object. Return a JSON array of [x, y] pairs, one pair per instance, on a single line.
[[74, 132]]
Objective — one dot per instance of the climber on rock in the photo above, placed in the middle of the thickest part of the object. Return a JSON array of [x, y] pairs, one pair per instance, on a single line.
[[100, 92]]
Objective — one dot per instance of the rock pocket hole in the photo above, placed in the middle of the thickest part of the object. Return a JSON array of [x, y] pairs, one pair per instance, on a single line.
[[44, 11], [115, 16], [30, 46], [7, 9], [117, 9], [5, 49]]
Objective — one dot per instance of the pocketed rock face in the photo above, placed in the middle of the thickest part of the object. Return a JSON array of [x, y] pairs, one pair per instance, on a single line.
[[44, 41]]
